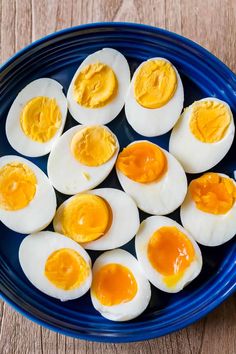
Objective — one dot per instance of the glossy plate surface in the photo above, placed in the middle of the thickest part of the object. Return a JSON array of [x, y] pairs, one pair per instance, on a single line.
[[57, 56]]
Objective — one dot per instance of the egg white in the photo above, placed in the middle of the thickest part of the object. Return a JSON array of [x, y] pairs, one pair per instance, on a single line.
[[15, 135]]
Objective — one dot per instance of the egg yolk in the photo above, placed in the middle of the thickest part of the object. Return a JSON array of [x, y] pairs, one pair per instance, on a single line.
[[155, 84], [170, 252], [66, 269], [86, 217], [93, 146], [95, 86], [142, 162], [114, 284], [213, 193], [209, 121], [40, 119], [18, 186]]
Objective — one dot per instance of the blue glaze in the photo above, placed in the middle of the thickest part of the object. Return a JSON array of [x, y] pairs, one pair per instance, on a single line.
[[57, 56]]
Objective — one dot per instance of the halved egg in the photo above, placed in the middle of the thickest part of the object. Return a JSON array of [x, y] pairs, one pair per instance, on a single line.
[[100, 219], [56, 265], [27, 198], [167, 253], [37, 117], [209, 209], [203, 135], [82, 158], [155, 98], [153, 177], [97, 91], [119, 291]]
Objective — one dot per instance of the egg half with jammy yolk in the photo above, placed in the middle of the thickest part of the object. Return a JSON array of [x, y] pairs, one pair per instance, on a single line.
[[37, 117], [56, 265], [100, 219], [168, 255], [27, 198], [82, 158], [209, 209], [97, 91], [119, 291], [152, 177], [203, 135], [155, 98]]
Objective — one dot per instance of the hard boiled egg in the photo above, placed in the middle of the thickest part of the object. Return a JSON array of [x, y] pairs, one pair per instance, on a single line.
[[209, 209], [97, 91], [37, 117], [155, 98], [203, 135], [100, 219], [153, 177], [56, 265], [167, 253], [82, 158], [120, 291], [27, 198]]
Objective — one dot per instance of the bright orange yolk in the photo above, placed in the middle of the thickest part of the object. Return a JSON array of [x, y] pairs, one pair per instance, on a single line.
[[209, 121], [66, 269], [170, 252], [114, 284], [155, 84], [213, 193], [18, 186], [93, 146], [85, 218], [40, 119], [142, 162], [95, 86]]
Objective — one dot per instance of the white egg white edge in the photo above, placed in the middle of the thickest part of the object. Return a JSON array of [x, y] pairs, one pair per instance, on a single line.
[[153, 122], [67, 175], [146, 230], [15, 135], [40, 211], [195, 155], [106, 114], [208, 229], [33, 254], [133, 308]]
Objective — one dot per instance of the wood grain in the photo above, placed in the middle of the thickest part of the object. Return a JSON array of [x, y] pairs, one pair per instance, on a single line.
[[211, 23]]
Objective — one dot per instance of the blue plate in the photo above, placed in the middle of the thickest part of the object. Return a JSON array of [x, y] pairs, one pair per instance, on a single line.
[[57, 56]]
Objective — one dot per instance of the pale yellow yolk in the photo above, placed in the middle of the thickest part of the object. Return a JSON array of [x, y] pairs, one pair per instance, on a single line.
[[95, 86], [18, 185], [142, 162], [66, 269], [155, 84], [93, 146], [213, 193], [170, 252], [40, 119], [209, 121], [85, 218], [114, 284]]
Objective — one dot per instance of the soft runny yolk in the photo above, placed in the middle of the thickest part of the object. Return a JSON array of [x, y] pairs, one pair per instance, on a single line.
[[95, 86], [209, 121], [40, 119], [155, 83], [142, 162], [66, 269], [18, 186], [93, 146], [85, 218], [213, 193], [170, 252], [114, 284]]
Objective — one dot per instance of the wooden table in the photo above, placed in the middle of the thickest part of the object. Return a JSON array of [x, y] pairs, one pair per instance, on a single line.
[[212, 23]]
